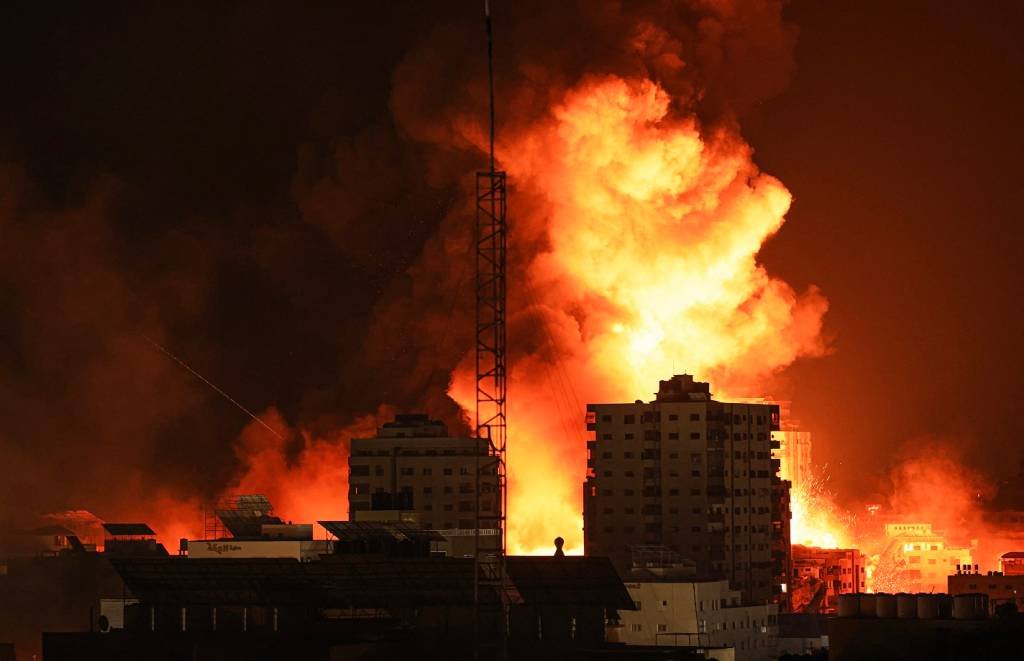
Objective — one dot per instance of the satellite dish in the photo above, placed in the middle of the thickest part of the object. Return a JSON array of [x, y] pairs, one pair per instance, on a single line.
[[104, 624]]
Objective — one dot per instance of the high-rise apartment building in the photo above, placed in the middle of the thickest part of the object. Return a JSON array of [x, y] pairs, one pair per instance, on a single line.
[[414, 466], [691, 474]]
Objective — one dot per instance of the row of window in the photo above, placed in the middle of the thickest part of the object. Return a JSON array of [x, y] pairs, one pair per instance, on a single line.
[[363, 470], [464, 506], [696, 510], [712, 491], [655, 416], [651, 435], [650, 416], [357, 489], [405, 452]]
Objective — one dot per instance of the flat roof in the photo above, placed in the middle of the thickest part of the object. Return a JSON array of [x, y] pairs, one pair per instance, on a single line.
[[128, 529]]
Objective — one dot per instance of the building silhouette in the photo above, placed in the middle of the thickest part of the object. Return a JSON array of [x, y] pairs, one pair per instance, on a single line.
[[695, 476]]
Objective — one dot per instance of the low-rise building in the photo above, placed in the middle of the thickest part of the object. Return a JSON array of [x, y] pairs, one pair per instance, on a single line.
[[698, 614], [1000, 588], [821, 575], [921, 558], [414, 465], [1012, 563]]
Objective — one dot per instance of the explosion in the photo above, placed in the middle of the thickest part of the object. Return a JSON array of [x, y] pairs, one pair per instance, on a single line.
[[651, 224], [816, 519]]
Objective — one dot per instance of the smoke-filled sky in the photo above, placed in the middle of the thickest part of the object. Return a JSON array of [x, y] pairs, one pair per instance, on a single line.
[[270, 193]]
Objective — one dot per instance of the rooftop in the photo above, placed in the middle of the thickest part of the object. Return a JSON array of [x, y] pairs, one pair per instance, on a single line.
[[129, 529]]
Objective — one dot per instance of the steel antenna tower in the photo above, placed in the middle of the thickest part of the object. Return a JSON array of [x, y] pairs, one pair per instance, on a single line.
[[490, 237]]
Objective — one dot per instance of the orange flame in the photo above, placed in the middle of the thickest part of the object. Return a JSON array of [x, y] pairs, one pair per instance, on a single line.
[[651, 225]]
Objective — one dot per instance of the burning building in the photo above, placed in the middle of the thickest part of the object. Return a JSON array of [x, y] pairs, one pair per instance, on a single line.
[[821, 575], [917, 559], [690, 474]]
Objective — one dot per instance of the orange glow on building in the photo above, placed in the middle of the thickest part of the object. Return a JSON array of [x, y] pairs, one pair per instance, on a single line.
[[648, 226]]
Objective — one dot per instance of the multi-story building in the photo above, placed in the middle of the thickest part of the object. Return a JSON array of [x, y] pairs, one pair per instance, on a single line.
[[920, 558], [1001, 588], [698, 614], [414, 466], [821, 575], [1012, 563], [689, 473]]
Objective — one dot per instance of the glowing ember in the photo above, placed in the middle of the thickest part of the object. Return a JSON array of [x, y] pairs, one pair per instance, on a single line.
[[816, 519]]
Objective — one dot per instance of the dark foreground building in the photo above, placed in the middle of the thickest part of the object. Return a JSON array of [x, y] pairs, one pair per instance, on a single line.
[[905, 627], [350, 607]]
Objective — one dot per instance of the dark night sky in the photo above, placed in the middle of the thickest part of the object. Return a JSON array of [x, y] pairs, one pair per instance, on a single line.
[[199, 130]]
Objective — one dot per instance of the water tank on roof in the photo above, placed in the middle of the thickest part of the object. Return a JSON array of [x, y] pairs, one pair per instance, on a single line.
[[885, 605], [927, 606], [849, 605], [972, 606], [867, 605], [906, 606]]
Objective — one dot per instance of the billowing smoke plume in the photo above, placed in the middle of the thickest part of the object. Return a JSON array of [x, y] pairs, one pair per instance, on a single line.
[[637, 216]]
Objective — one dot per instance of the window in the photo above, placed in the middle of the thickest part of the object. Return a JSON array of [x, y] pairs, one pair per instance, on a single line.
[[694, 492], [628, 492], [673, 492], [629, 437], [428, 490], [464, 470], [360, 471], [606, 455], [607, 473], [673, 455], [629, 419], [627, 455], [629, 473], [448, 507], [378, 471], [695, 473], [673, 416], [636, 628], [606, 437], [639, 605], [428, 471], [662, 628], [695, 417], [695, 436], [609, 510], [673, 436], [914, 559], [465, 506], [448, 489], [447, 471], [408, 471], [606, 418], [428, 508]]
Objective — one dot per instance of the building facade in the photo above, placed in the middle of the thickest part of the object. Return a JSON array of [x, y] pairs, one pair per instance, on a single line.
[[700, 614], [413, 465], [691, 474], [821, 575], [920, 558], [1000, 588]]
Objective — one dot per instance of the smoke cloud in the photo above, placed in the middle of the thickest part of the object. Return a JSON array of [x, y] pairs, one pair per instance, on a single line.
[[357, 292]]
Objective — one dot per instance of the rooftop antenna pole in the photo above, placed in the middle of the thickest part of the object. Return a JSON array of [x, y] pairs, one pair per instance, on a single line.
[[490, 232]]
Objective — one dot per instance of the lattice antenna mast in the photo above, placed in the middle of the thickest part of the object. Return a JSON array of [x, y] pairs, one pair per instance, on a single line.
[[490, 236]]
